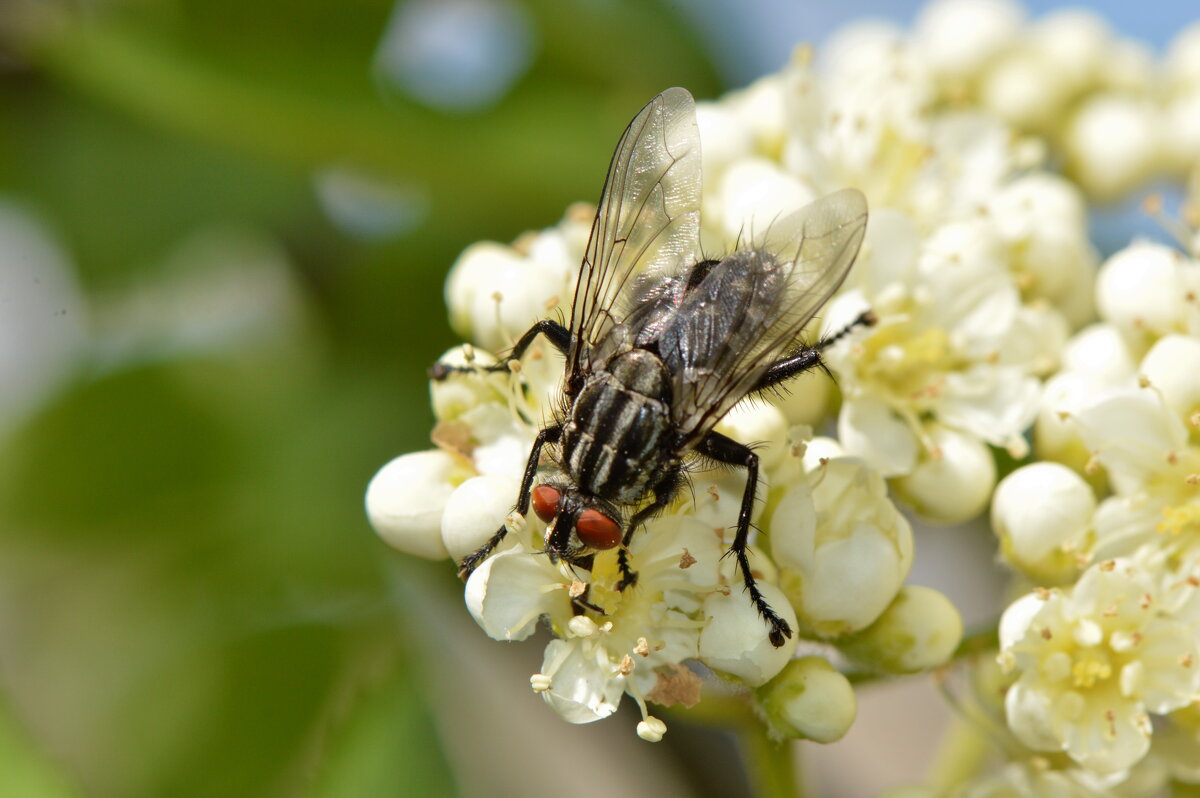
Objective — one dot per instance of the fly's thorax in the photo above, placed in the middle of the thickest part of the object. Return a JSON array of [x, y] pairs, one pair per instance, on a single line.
[[619, 437]]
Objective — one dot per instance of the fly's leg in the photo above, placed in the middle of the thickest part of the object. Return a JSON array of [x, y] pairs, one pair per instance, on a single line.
[[727, 450], [557, 334], [664, 494], [809, 357], [472, 561]]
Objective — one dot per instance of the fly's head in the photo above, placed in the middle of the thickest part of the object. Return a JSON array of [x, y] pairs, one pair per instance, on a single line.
[[575, 527]]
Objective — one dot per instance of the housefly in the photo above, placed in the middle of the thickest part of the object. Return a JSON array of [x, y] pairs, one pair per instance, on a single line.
[[662, 343]]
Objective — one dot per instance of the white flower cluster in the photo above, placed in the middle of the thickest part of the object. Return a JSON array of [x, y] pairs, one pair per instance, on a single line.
[[1114, 114], [1097, 659], [994, 327], [839, 549]]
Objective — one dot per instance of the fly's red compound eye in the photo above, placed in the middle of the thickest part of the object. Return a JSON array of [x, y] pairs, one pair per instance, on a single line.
[[597, 530], [545, 502]]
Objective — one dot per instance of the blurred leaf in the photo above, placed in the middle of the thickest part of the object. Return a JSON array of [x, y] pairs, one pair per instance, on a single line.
[[24, 770], [383, 747]]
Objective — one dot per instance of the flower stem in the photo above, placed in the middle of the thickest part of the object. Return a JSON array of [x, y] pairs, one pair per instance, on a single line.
[[771, 765], [959, 756]]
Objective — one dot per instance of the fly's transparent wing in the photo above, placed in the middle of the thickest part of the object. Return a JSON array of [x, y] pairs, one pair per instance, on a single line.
[[648, 220], [750, 308]]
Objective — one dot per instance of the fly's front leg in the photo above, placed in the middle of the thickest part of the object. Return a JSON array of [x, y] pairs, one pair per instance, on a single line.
[[472, 561], [727, 450], [557, 334], [809, 357], [664, 493]]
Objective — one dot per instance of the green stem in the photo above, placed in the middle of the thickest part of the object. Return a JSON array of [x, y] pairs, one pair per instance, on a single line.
[[771, 765], [959, 756]]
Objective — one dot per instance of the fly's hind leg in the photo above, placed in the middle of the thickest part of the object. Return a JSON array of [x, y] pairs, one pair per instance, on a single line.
[[557, 334], [727, 450]]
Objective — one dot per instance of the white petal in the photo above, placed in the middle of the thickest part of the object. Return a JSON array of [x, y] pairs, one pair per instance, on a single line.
[[1015, 621], [994, 403], [1031, 716], [510, 591], [755, 192], [870, 430], [1133, 435], [585, 687]]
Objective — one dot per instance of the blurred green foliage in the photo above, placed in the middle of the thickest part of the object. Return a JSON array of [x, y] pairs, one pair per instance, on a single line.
[[191, 601]]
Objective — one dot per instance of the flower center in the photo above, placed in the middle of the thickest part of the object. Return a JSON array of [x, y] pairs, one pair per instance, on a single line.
[[906, 363], [1180, 519], [1089, 669]]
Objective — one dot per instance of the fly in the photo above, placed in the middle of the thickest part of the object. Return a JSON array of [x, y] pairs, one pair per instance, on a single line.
[[662, 343]]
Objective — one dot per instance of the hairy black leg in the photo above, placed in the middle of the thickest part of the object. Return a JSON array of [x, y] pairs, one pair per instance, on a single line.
[[471, 561], [664, 493], [727, 450], [557, 334], [809, 357]]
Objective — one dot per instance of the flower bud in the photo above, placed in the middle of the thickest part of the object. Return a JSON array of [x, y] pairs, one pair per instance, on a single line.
[[405, 501], [959, 37], [495, 294], [1113, 143], [920, 630], [1100, 352], [842, 547], [1022, 92], [735, 638], [1042, 514], [808, 699], [1055, 434], [953, 484], [755, 192], [475, 511], [1173, 367], [462, 391], [1074, 44], [1138, 289]]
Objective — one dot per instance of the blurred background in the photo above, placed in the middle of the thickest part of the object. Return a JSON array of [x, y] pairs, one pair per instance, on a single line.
[[224, 227]]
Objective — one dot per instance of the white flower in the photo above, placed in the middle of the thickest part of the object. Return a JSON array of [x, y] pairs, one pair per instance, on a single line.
[[639, 642], [842, 547], [1095, 661]]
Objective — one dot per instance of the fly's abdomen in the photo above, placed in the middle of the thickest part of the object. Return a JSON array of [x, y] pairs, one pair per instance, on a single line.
[[619, 434]]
